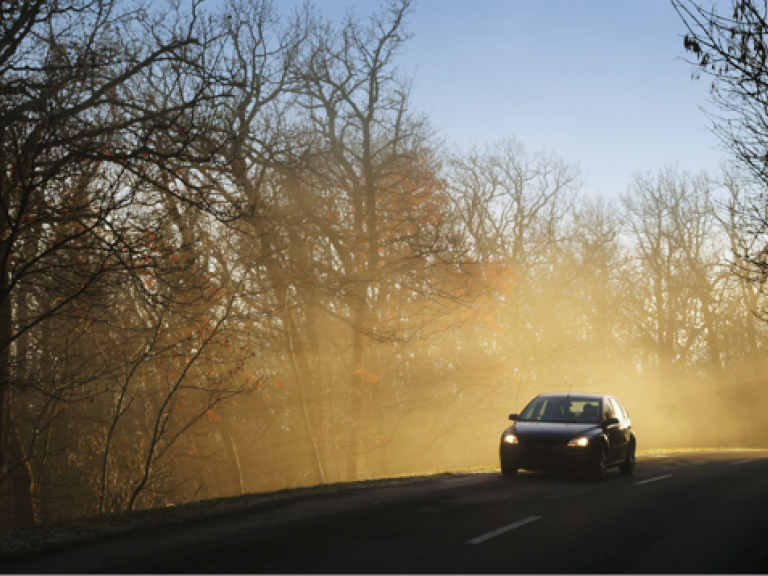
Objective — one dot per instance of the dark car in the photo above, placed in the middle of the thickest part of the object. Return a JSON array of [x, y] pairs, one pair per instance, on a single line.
[[587, 432]]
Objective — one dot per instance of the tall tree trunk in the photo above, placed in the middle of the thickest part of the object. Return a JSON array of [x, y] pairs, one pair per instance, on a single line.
[[14, 466], [377, 397], [317, 391], [713, 338], [292, 341], [5, 394], [20, 476], [757, 364], [7, 504], [236, 482], [356, 389], [303, 377]]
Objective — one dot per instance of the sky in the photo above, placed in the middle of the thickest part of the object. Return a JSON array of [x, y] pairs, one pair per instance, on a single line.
[[601, 83]]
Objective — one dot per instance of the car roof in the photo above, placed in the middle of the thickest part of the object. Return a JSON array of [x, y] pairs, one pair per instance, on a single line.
[[574, 396]]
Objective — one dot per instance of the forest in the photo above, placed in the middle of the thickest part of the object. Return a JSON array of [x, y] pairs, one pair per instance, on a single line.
[[236, 257]]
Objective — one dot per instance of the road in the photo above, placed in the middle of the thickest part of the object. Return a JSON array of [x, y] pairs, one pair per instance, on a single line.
[[699, 512]]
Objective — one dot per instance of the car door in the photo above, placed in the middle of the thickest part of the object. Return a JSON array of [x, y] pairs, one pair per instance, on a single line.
[[622, 430], [613, 432]]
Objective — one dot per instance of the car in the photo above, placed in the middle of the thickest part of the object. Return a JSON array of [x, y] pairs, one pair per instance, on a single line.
[[576, 432]]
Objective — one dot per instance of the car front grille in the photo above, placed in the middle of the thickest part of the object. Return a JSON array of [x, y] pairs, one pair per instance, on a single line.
[[541, 441]]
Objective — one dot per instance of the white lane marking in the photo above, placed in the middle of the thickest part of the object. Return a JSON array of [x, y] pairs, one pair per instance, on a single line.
[[507, 528], [743, 461], [654, 479]]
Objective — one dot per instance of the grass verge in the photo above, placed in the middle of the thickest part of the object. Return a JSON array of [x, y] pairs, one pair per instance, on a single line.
[[22, 542], [655, 451]]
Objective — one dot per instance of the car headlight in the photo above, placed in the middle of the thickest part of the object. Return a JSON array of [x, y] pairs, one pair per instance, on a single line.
[[510, 438], [581, 441]]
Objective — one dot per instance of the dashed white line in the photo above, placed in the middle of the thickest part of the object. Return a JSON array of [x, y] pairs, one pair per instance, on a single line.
[[743, 461], [507, 528], [654, 479]]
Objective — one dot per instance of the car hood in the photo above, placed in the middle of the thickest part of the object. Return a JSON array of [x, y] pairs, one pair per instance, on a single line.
[[551, 433]]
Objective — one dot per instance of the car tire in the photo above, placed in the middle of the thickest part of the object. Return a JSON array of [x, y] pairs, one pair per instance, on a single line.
[[508, 469], [628, 466], [597, 469]]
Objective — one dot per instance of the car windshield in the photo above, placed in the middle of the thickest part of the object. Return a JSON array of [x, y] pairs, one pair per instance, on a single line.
[[562, 410]]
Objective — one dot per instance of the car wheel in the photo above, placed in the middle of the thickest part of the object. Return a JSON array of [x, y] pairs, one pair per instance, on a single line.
[[628, 466], [508, 469], [597, 471]]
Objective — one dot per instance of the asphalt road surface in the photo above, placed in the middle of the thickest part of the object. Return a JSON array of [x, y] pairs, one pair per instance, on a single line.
[[700, 513]]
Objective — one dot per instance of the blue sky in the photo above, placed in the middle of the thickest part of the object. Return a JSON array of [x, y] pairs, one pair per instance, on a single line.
[[598, 82]]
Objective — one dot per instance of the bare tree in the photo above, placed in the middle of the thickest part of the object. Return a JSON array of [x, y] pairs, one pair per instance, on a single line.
[[358, 104], [84, 143], [731, 49], [678, 301]]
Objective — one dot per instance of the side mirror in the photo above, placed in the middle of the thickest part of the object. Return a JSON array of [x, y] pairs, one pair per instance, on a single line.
[[513, 416], [610, 422]]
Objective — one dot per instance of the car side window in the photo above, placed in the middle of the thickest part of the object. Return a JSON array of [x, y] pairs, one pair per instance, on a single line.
[[620, 408], [617, 408], [608, 410]]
